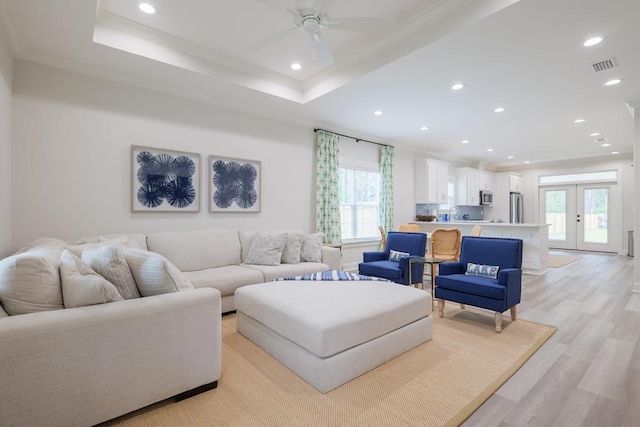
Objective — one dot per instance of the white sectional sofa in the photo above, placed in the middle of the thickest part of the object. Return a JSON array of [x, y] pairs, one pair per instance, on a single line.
[[88, 364], [217, 258]]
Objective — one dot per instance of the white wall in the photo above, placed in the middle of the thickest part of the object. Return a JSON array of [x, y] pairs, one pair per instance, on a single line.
[[72, 138], [6, 100]]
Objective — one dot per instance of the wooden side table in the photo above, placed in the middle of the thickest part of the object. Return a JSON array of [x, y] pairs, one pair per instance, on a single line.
[[432, 262]]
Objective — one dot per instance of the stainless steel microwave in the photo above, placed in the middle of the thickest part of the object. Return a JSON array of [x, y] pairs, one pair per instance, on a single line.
[[486, 197]]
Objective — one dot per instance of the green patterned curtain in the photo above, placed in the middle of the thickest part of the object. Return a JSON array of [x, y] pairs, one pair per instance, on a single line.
[[386, 187], [327, 187]]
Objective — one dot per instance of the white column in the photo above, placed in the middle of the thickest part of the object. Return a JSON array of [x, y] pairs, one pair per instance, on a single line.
[[635, 111]]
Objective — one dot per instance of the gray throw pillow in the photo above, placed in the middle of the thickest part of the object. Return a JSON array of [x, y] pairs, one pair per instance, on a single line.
[[312, 248], [154, 274], [266, 248], [292, 247]]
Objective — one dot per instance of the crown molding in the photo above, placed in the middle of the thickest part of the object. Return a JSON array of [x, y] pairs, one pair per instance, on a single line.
[[9, 28]]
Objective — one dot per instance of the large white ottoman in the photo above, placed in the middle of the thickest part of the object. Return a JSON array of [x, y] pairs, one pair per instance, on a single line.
[[330, 332]]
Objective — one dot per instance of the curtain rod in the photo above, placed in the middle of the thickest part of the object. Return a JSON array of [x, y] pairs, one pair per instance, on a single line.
[[353, 137]]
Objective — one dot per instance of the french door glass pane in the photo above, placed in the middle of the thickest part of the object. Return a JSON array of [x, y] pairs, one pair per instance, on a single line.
[[556, 214], [596, 210]]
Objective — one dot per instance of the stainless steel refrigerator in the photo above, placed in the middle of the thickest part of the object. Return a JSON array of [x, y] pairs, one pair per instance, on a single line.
[[516, 208]]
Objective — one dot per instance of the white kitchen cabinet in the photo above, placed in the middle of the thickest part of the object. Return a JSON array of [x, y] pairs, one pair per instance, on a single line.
[[485, 180], [515, 183], [467, 187], [431, 181]]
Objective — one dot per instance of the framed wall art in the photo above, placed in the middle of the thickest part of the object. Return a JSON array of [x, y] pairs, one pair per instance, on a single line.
[[234, 184], [164, 180]]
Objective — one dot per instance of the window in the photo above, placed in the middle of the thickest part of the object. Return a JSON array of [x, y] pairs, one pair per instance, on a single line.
[[603, 176], [359, 203]]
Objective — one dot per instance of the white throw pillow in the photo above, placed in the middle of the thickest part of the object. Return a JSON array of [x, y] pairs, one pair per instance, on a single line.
[[396, 255], [292, 247], [266, 248], [81, 286], [30, 281], [312, 248], [154, 274], [109, 262]]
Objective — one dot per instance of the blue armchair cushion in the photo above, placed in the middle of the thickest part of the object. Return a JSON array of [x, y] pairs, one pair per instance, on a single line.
[[474, 285], [386, 269], [490, 271], [396, 255]]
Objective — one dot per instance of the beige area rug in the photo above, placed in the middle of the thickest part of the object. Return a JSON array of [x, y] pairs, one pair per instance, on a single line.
[[557, 261], [438, 383]]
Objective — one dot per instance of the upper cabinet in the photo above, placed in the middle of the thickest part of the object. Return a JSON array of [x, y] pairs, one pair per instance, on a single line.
[[431, 181], [469, 182], [485, 179], [467, 187], [515, 183]]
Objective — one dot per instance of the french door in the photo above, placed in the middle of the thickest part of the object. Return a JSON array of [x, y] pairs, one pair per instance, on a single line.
[[578, 216]]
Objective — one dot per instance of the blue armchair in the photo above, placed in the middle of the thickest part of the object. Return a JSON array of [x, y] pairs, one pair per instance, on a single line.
[[378, 264], [475, 285]]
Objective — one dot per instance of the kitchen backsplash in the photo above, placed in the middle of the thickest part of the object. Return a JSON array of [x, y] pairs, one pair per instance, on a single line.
[[426, 209], [474, 212]]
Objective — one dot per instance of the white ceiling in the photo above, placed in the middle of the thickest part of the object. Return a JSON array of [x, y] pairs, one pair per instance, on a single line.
[[526, 56]]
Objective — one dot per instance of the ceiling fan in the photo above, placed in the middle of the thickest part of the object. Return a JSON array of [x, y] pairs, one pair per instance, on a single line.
[[311, 17]]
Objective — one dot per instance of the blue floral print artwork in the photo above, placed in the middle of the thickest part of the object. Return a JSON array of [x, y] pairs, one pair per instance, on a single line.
[[165, 177], [234, 182]]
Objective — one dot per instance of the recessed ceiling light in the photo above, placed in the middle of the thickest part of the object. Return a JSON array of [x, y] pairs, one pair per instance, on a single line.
[[458, 86], [147, 8], [606, 144], [613, 82], [424, 128], [615, 152], [527, 162], [296, 66], [595, 134], [593, 41], [499, 110], [489, 149], [378, 112], [465, 141], [509, 157], [579, 120]]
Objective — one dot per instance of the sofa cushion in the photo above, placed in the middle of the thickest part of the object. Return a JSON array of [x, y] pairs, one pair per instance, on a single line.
[[48, 242], [30, 281], [266, 248], [311, 250], [82, 286], [198, 249], [245, 237], [109, 262], [225, 279], [136, 240], [272, 272], [3, 313], [387, 269], [154, 274]]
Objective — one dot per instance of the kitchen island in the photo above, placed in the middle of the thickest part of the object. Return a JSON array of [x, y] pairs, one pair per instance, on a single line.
[[535, 238]]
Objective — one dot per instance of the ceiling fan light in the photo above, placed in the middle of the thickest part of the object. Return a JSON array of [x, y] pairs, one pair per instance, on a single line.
[[147, 8]]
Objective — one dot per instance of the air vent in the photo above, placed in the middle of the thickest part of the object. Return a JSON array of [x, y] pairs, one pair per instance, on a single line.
[[604, 65]]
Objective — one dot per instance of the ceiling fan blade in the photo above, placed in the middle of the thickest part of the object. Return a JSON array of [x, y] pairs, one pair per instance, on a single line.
[[321, 50], [273, 38], [279, 6], [321, 6], [362, 23]]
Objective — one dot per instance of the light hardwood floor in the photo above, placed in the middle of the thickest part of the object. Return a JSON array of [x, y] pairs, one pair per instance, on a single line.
[[588, 372]]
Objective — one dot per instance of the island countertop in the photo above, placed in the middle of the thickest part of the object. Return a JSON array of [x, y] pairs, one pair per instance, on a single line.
[[483, 222], [535, 238]]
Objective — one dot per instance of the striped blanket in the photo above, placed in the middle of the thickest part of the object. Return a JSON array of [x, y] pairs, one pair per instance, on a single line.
[[333, 275]]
